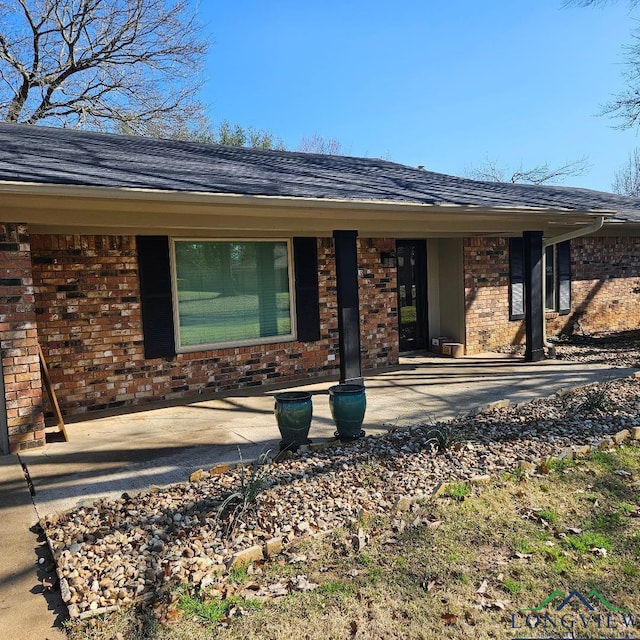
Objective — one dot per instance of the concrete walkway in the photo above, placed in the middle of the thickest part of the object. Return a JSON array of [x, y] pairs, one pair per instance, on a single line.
[[160, 446], [26, 613]]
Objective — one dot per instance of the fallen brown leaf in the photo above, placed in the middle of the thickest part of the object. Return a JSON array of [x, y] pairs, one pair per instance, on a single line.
[[449, 618], [483, 587]]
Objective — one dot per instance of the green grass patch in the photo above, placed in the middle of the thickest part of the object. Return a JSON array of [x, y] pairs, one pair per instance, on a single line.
[[213, 610], [512, 586], [524, 546], [458, 490], [239, 574], [588, 540], [603, 459], [627, 508], [560, 464], [549, 516], [335, 587]]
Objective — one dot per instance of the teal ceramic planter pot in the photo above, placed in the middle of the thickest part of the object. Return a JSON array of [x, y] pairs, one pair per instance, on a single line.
[[293, 411], [348, 404]]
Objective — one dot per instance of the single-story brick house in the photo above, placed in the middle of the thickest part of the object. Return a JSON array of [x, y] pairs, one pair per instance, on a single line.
[[151, 269]]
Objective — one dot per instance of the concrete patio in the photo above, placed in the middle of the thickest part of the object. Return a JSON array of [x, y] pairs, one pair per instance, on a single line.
[[162, 445]]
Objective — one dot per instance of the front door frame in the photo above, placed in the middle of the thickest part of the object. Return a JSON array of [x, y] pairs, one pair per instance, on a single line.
[[419, 279]]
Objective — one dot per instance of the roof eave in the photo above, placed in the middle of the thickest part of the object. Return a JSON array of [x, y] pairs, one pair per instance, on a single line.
[[53, 208]]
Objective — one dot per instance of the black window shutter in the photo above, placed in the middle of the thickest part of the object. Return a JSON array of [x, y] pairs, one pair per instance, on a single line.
[[516, 279], [305, 261], [155, 296], [564, 277]]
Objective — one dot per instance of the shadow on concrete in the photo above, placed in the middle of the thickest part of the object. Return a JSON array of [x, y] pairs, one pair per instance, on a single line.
[[47, 583]]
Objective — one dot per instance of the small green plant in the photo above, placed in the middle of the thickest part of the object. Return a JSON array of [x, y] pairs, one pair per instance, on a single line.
[[561, 565], [523, 546], [627, 508], [239, 574], [560, 464], [512, 586], [519, 474], [548, 516], [335, 587], [458, 490], [374, 573], [597, 398], [443, 435], [253, 479], [211, 611]]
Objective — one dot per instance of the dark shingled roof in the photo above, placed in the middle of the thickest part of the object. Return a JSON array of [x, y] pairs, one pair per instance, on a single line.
[[67, 157]]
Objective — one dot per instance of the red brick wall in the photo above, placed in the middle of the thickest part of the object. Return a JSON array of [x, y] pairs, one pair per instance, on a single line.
[[91, 328], [378, 304], [20, 359], [605, 285], [605, 290], [486, 293]]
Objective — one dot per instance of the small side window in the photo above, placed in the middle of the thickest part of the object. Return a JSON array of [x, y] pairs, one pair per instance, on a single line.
[[516, 279]]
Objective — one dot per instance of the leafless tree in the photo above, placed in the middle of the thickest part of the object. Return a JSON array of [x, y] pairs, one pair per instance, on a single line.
[[626, 180], [317, 144], [99, 64], [491, 171], [626, 105]]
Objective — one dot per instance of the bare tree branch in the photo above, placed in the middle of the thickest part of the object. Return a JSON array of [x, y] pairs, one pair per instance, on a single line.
[[491, 171], [317, 144], [626, 180], [596, 3], [99, 64]]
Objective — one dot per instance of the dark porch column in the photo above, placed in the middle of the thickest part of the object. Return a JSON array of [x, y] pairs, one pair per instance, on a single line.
[[534, 315], [348, 305]]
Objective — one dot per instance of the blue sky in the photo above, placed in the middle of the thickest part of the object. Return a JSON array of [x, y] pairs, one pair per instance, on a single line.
[[443, 84]]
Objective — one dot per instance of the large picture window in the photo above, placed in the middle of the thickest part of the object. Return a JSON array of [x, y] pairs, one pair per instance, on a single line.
[[231, 292]]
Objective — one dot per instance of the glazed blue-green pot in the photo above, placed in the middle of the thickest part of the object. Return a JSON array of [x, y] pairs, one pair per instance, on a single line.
[[348, 404], [293, 410]]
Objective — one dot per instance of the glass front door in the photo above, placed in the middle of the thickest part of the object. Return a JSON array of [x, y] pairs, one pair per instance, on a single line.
[[412, 294]]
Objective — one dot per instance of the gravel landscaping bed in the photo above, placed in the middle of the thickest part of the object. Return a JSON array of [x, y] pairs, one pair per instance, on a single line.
[[139, 547], [620, 349]]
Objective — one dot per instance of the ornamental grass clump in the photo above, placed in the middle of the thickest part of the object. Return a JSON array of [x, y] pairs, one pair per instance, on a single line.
[[597, 398], [444, 435], [253, 479]]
